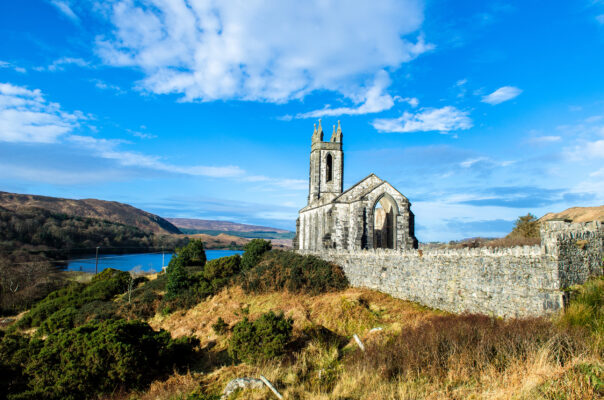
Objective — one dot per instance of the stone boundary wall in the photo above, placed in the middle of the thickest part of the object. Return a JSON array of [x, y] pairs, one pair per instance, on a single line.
[[508, 282]]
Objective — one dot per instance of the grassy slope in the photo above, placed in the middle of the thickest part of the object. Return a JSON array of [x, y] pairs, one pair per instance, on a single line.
[[536, 376], [578, 214]]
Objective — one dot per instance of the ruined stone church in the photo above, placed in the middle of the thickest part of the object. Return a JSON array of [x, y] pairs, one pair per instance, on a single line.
[[371, 214]]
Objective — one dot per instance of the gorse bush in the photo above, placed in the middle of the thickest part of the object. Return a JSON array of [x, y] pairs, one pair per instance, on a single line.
[[279, 270], [103, 287], [93, 359], [262, 339], [186, 259], [220, 327], [189, 283], [254, 249], [219, 271]]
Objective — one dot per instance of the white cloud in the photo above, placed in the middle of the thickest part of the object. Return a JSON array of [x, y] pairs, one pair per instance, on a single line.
[[249, 50], [107, 86], [502, 94], [65, 9], [375, 100], [544, 139], [59, 64], [430, 119], [108, 149], [468, 163], [589, 150], [412, 101], [25, 116]]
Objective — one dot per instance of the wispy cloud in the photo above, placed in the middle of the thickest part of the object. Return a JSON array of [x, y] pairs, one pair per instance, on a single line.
[[291, 184], [444, 119], [220, 50], [107, 86], [502, 94], [64, 7], [375, 100], [16, 68], [60, 63], [600, 19], [544, 139], [109, 149], [25, 116]]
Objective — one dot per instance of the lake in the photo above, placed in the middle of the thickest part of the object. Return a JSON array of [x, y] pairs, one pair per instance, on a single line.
[[143, 262]]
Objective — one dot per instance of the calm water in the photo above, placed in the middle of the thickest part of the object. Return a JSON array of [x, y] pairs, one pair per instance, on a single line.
[[144, 262]]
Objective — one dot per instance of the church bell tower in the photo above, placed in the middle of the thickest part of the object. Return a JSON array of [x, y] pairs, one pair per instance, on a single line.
[[326, 166]]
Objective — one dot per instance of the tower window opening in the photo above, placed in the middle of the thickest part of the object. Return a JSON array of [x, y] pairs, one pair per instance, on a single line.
[[329, 173]]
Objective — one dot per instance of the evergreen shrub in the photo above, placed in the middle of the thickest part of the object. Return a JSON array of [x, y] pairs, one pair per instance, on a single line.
[[286, 270], [254, 250], [262, 339]]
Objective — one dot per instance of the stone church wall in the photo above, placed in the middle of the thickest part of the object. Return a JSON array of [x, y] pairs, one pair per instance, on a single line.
[[518, 281]]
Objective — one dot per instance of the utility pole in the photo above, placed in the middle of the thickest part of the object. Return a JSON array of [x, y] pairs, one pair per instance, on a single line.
[[96, 267], [162, 258]]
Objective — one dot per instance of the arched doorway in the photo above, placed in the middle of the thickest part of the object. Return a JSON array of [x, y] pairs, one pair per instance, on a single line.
[[385, 212]]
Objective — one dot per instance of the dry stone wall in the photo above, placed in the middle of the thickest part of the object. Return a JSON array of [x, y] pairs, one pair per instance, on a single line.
[[518, 281]]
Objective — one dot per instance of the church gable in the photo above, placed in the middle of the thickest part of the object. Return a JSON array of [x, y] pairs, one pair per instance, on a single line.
[[359, 189], [384, 188]]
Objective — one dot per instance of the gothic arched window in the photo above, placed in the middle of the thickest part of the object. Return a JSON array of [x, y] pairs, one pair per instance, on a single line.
[[329, 173]]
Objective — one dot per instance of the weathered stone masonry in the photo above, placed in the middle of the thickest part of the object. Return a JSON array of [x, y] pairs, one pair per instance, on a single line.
[[369, 231], [518, 281]]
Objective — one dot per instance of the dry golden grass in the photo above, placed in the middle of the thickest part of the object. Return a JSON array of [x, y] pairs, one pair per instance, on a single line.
[[578, 214], [541, 360]]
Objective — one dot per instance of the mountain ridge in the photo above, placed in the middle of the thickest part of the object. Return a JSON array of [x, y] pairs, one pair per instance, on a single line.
[[91, 208], [216, 225]]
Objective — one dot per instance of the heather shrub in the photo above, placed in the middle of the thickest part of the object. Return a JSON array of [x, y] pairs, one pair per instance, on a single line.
[[262, 339], [279, 270], [254, 249]]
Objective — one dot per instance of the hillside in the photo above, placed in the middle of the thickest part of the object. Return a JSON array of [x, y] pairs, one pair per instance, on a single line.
[[224, 226], [577, 214], [317, 339], [91, 208]]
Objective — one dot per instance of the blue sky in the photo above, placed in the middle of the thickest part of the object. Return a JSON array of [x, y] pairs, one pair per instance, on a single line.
[[477, 111]]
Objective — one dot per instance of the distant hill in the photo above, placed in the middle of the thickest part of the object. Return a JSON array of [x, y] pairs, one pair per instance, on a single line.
[[577, 214], [91, 208], [222, 226]]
